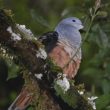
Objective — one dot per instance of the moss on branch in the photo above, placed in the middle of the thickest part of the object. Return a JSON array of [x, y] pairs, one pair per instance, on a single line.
[[44, 97]]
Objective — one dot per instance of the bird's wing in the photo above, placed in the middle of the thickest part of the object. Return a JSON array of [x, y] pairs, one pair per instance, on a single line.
[[49, 40]]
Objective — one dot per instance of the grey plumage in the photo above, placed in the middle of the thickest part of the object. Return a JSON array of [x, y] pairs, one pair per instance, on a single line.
[[68, 29]]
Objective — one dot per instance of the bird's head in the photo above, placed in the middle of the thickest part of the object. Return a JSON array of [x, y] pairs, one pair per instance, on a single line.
[[68, 29], [72, 21]]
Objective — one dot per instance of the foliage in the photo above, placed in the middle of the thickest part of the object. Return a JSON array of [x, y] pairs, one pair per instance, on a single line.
[[71, 98], [68, 97], [42, 16]]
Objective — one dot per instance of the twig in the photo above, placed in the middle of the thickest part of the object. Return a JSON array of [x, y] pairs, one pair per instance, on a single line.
[[93, 15]]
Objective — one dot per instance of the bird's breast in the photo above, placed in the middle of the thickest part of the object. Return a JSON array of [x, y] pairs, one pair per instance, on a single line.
[[62, 56]]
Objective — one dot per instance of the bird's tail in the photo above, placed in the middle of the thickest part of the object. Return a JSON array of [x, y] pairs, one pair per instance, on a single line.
[[22, 101]]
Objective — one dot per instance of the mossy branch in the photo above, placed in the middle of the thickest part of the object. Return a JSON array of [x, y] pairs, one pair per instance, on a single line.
[[25, 49]]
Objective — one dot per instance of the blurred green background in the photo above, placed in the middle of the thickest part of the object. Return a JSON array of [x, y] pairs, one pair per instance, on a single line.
[[41, 16]]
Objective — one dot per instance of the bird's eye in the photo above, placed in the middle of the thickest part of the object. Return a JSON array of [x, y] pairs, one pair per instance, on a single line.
[[74, 20]]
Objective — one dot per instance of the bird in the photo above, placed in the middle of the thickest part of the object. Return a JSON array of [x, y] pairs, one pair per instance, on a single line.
[[63, 43], [63, 47]]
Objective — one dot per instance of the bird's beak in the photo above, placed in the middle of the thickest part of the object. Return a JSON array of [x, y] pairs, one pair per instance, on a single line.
[[82, 30], [81, 26]]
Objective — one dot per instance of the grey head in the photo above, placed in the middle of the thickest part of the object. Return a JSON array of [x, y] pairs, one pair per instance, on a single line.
[[68, 29]]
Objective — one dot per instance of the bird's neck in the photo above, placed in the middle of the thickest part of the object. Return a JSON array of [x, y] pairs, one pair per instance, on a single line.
[[70, 34]]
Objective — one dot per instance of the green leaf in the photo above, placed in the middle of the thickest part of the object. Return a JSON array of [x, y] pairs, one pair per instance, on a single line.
[[102, 102], [99, 36], [30, 108], [103, 38], [12, 70], [106, 86], [93, 72], [102, 14], [1, 3], [69, 97]]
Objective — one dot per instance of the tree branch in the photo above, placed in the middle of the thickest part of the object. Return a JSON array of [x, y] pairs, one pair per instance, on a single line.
[[26, 50]]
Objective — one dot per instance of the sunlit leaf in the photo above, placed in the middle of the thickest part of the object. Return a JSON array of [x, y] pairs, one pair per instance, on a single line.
[[102, 14]]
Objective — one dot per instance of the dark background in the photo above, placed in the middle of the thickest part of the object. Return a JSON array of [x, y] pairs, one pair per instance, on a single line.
[[41, 16]]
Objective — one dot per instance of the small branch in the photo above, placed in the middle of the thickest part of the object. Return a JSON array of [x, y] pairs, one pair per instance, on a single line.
[[93, 13]]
